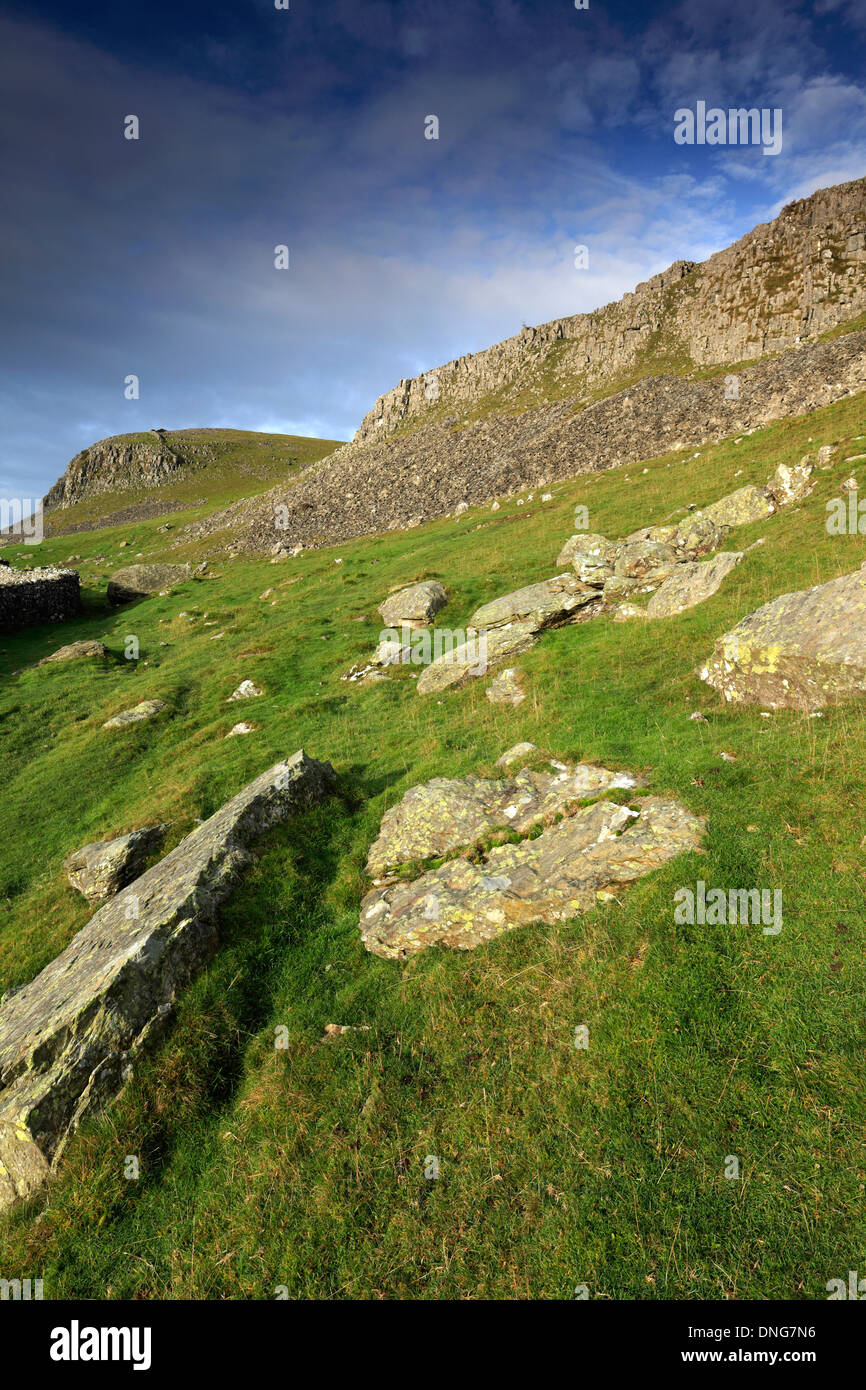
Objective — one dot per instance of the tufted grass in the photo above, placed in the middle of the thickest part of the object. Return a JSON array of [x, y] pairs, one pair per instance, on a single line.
[[304, 1168]]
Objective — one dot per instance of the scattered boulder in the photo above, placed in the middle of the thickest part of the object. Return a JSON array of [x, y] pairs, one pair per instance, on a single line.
[[100, 870], [505, 688], [247, 690], [242, 728], [791, 483], [137, 581], [449, 813], [74, 651], [415, 606], [146, 709], [68, 1037], [511, 755], [691, 583], [561, 873], [804, 650]]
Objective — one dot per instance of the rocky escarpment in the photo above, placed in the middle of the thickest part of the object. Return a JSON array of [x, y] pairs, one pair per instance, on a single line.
[[116, 464], [785, 281], [68, 1037], [429, 473]]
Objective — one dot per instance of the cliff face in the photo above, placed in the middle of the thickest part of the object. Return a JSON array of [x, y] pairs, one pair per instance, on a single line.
[[116, 464], [785, 282]]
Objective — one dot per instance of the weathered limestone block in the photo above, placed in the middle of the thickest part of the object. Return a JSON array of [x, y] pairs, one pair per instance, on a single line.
[[136, 581], [805, 650], [505, 688], [417, 605], [66, 1039], [556, 876], [791, 483], [739, 508], [450, 813], [691, 583], [101, 869], [475, 656], [542, 605]]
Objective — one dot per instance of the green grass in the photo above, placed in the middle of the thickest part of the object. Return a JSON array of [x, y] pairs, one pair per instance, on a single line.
[[559, 1167]]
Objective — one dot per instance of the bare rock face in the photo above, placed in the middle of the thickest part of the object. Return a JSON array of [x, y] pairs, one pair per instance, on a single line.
[[137, 581], [558, 875], [450, 813], [101, 869], [692, 583], [416, 606], [68, 1037], [542, 605], [116, 464], [805, 650]]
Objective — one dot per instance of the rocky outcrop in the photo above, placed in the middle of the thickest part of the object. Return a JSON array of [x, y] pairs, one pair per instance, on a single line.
[[739, 508], [68, 1038], [786, 280], [560, 874], [117, 464], [805, 650], [101, 869], [547, 604], [691, 584], [415, 606], [447, 814], [29, 597], [476, 656], [137, 581]]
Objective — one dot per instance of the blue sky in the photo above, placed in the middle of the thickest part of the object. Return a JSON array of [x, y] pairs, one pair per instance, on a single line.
[[305, 127]]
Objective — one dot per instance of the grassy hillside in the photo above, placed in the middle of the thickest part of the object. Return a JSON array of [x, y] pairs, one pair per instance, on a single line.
[[305, 1168], [223, 465]]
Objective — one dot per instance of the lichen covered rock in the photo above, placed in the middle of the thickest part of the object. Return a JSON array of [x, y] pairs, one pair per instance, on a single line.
[[692, 583], [416, 605], [67, 1038], [805, 650]]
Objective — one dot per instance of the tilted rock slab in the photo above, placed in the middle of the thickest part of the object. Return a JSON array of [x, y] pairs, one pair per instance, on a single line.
[[67, 1037], [449, 813], [476, 655], [549, 879], [691, 584], [546, 604], [805, 650], [739, 508]]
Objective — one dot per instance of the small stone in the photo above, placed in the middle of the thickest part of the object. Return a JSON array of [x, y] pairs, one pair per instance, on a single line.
[[247, 690]]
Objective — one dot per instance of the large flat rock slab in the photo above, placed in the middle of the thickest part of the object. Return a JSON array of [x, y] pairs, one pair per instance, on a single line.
[[549, 879], [137, 581], [449, 813], [805, 650], [542, 605], [66, 1038], [692, 583]]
